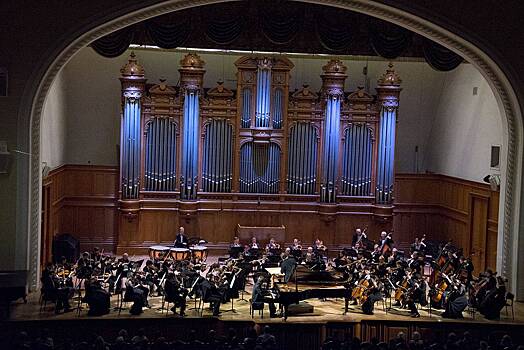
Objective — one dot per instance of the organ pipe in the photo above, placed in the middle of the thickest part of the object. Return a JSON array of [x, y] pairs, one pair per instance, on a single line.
[[262, 114], [356, 161], [133, 85], [333, 78], [191, 77], [301, 178], [259, 168], [388, 90], [217, 169], [160, 155]]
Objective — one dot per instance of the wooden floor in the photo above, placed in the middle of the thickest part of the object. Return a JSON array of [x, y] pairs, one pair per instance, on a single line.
[[324, 311]]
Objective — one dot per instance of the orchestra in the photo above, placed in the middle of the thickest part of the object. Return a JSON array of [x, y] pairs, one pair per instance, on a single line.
[[369, 270]]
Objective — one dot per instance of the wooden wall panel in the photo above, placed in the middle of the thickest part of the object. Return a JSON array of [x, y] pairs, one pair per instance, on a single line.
[[447, 208], [84, 202]]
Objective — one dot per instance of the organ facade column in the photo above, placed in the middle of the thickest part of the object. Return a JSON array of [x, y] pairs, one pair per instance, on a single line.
[[388, 95], [191, 79], [333, 78], [133, 85]]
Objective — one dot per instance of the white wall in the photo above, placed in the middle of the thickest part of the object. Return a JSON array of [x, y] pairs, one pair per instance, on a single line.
[[436, 108], [464, 126], [54, 123]]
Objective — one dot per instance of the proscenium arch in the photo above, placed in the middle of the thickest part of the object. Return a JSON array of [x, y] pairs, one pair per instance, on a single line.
[[30, 113]]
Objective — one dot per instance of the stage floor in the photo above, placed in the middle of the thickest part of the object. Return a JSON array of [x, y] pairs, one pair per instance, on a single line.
[[330, 310]]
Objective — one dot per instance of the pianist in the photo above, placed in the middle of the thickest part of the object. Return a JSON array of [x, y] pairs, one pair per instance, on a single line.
[[263, 295]]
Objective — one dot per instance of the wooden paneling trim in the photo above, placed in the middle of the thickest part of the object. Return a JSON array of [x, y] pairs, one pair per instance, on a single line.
[[440, 206]]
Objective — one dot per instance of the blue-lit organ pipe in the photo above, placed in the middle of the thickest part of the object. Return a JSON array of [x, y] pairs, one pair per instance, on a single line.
[[356, 161], [217, 170], [263, 98], [330, 153], [131, 148], [245, 121], [302, 160], [189, 170], [160, 155], [278, 105], [386, 155], [259, 168]]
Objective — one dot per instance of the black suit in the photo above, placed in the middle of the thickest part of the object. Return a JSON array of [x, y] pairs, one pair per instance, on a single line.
[[181, 241]]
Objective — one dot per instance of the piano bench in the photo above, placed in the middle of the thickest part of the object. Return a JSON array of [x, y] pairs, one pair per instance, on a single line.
[[256, 306]]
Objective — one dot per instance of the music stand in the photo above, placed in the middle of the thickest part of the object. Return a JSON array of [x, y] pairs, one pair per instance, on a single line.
[[234, 252]]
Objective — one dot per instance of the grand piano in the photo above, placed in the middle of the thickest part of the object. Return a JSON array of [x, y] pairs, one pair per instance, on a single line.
[[306, 284]]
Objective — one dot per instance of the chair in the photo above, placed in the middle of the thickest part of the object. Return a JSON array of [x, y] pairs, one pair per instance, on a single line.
[[123, 299], [256, 306], [509, 303], [46, 295]]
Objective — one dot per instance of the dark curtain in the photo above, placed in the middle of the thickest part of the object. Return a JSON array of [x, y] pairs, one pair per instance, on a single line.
[[282, 23], [224, 30], [114, 44], [439, 57], [389, 40], [334, 31], [168, 35]]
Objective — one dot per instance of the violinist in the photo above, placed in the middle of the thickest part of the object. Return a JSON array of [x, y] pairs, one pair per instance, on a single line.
[[181, 240], [175, 292], [151, 276], [84, 266], [96, 255], [137, 293], [54, 289]]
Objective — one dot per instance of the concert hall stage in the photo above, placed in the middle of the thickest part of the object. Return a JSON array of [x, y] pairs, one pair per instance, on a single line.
[[306, 331]]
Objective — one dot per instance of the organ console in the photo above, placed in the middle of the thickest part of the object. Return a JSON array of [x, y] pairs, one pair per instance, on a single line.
[[188, 151]]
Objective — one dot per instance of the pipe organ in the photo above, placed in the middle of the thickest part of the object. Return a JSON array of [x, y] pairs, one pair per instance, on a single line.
[[189, 151]]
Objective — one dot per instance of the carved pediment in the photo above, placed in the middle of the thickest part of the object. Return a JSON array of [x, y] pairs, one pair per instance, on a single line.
[[360, 100], [220, 95], [275, 63], [305, 94], [162, 89]]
